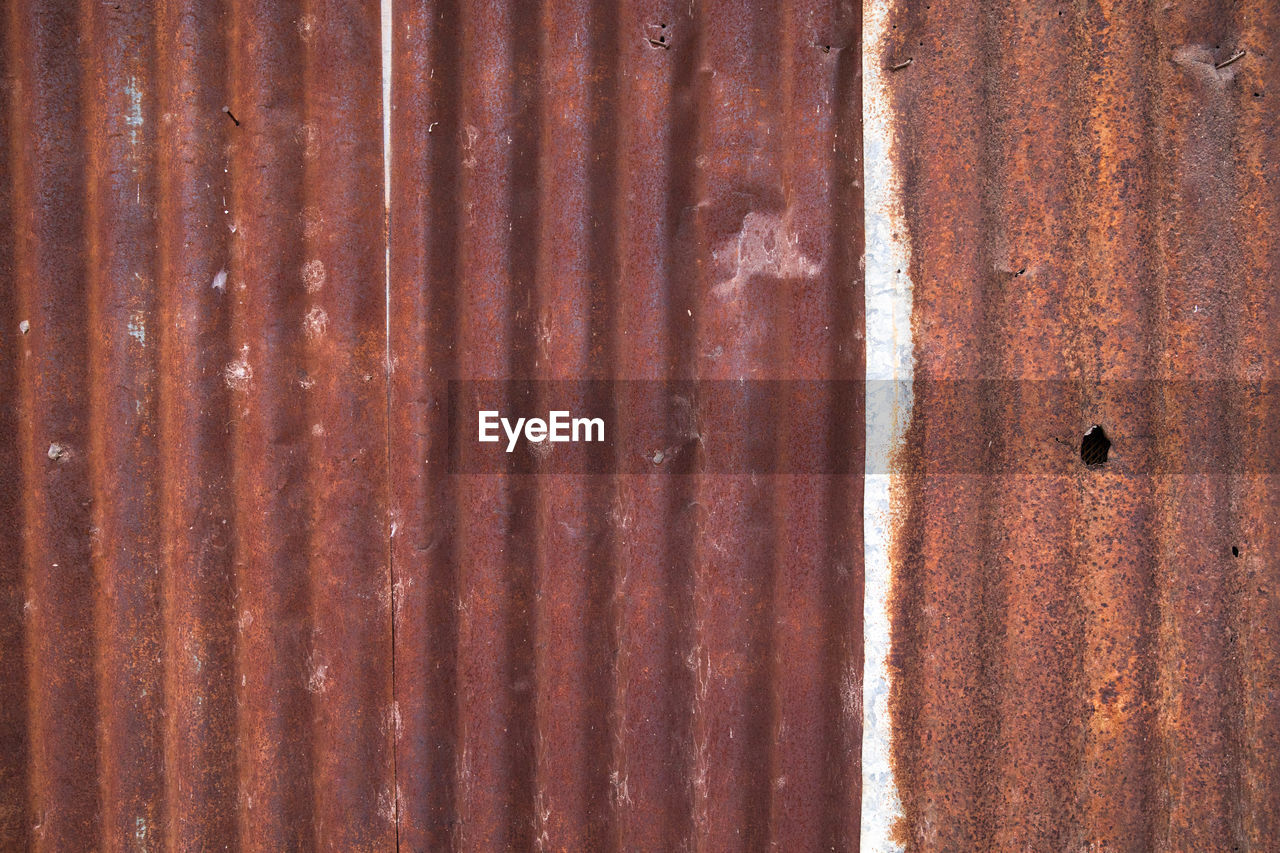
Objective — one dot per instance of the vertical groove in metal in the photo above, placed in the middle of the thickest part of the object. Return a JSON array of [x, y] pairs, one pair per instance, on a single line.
[[197, 493], [426, 85], [1256, 610], [569, 324], [642, 191], [15, 741], [48, 156], [195, 595]]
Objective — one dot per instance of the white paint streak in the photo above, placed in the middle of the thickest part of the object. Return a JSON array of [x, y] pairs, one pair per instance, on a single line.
[[313, 275], [318, 680], [386, 102], [239, 373], [387, 38], [138, 327], [469, 146], [220, 281], [315, 324], [133, 117], [890, 368], [765, 245]]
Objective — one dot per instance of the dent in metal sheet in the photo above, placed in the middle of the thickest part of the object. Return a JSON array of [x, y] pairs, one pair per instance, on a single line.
[[890, 364]]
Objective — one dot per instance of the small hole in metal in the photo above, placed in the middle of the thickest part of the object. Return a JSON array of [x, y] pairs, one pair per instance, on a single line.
[[1235, 552], [1095, 446]]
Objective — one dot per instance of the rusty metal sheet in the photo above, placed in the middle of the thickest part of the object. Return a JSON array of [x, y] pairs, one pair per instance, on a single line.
[[247, 603], [648, 192], [1085, 658], [248, 600], [195, 643]]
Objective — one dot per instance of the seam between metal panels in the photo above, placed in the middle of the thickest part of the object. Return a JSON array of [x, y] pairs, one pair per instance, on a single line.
[[889, 371], [394, 723]]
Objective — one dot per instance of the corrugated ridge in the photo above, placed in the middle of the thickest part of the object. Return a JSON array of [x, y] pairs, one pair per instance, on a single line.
[[649, 661], [198, 497], [1081, 661], [201, 585], [121, 448]]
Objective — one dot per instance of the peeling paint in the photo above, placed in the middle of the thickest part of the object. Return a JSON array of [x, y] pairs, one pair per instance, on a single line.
[[138, 327]]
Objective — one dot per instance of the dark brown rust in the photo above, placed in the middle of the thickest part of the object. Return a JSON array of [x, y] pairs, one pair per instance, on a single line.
[[636, 661], [195, 579]]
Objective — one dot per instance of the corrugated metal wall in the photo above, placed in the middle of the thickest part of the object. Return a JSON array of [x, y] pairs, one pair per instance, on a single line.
[[246, 601], [1086, 659], [196, 628], [639, 191], [198, 614]]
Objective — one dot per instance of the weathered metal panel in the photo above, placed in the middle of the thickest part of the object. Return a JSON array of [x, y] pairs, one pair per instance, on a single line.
[[199, 620], [1086, 658], [639, 191], [196, 632], [220, 637]]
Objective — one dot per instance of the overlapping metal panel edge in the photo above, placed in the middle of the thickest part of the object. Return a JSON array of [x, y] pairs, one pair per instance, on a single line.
[[1086, 658], [196, 644], [630, 191]]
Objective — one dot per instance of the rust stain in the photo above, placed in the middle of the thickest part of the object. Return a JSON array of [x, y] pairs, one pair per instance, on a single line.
[[1084, 658]]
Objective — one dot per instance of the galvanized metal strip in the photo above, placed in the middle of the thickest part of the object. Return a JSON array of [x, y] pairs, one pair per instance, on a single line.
[[890, 363]]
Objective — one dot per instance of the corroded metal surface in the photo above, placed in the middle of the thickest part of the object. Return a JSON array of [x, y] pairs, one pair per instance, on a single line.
[[195, 646], [640, 191], [245, 602], [1086, 658]]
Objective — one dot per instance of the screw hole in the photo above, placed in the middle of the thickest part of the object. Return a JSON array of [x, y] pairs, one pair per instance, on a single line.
[[1095, 446]]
